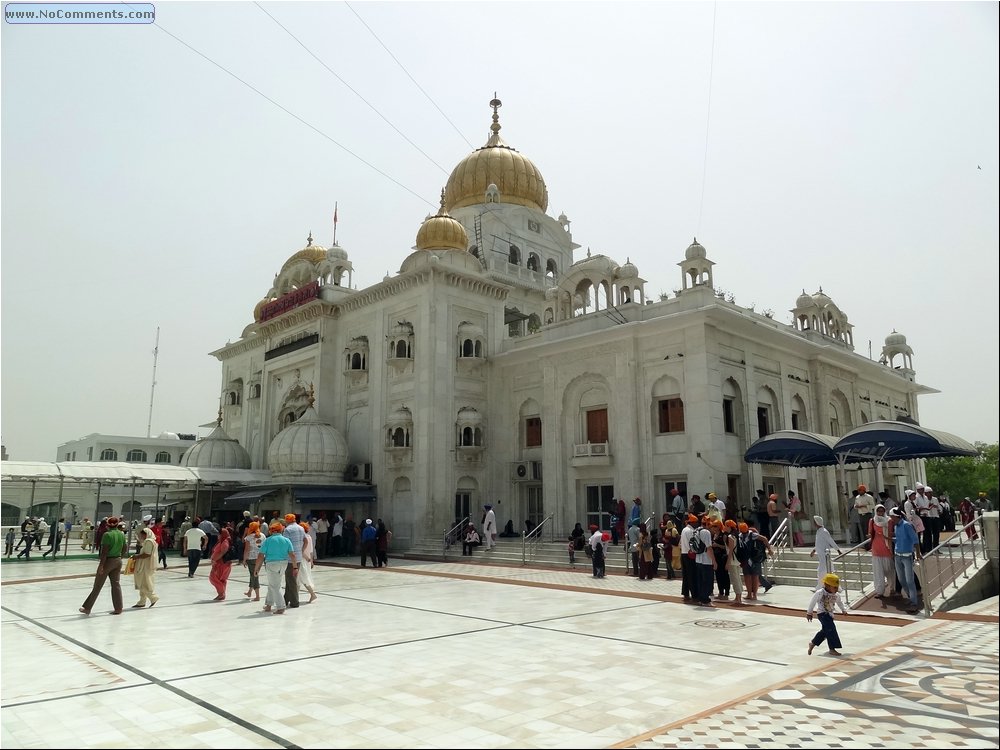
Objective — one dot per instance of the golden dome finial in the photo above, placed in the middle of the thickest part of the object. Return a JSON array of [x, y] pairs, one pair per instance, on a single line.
[[496, 104], [218, 421], [442, 211], [309, 239], [312, 395]]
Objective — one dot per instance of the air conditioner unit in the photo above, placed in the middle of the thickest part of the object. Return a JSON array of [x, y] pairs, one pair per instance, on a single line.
[[536, 470], [520, 471], [358, 473]]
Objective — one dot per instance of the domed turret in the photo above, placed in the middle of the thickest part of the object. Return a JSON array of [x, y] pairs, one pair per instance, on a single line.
[[804, 300], [695, 251], [217, 451], [895, 339], [516, 179], [258, 308], [308, 449], [628, 271], [441, 232], [336, 252], [311, 253]]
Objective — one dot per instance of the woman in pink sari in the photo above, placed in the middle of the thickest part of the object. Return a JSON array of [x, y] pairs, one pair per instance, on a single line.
[[968, 513], [221, 569]]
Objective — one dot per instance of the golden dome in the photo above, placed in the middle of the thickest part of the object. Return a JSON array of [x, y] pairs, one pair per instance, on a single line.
[[496, 163], [442, 232], [312, 253], [260, 306]]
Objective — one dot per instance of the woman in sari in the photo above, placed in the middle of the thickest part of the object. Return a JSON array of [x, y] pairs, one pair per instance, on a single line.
[[221, 569], [968, 513], [145, 567]]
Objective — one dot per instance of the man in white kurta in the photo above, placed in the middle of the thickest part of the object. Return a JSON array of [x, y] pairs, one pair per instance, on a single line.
[[824, 543], [489, 528]]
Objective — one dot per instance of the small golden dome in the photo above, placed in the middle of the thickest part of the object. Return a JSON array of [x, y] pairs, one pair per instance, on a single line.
[[442, 232], [312, 253], [496, 163], [260, 306]]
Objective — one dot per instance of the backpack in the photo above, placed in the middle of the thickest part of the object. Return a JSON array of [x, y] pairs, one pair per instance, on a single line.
[[235, 551], [743, 551], [697, 544], [759, 553]]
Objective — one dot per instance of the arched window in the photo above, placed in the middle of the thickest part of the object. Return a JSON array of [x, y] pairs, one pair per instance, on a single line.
[[514, 257], [533, 262], [467, 436], [136, 456], [233, 398], [400, 438], [550, 268], [478, 351], [163, 457], [357, 361], [255, 390], [402, 349], [468, 348], [477, 438], [109, 454]]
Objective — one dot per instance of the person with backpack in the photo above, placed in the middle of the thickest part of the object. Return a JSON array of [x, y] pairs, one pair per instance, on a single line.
[[732, 564], [751, 550], [720, 548], [689, 581], [222, 563], [704, 560]]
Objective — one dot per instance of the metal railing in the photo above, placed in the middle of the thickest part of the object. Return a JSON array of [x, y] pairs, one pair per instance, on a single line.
[[590, 450], [970, 547], [531, 539], [943, 566], [780, 542], [452, 535], [854, 568]]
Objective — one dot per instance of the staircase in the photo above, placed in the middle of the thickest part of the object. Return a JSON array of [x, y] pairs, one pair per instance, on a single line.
[[794, 568], [508, 552]]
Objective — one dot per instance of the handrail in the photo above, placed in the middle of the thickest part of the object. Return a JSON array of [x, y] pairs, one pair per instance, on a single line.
[[779, 543], [939, 581], [535, 536], [859, 568], [448, 537], [856, 568]]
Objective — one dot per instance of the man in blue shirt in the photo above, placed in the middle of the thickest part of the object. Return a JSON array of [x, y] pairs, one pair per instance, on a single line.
[[368, 534], [276, 555], [907, 550]]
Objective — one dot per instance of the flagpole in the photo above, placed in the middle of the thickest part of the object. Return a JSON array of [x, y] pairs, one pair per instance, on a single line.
[[335, 222]]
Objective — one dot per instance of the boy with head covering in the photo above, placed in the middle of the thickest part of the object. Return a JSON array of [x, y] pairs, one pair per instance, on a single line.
[[826, 599]]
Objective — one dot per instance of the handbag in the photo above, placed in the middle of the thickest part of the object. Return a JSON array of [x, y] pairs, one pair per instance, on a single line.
[[128, 566]]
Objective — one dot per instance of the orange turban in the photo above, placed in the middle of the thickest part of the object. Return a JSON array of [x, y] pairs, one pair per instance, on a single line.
[[692, 518], [276, 527], [743, 528], [289, 518], [253, 527]]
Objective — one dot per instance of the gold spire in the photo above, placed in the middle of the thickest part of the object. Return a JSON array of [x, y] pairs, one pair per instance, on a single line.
[[309, 239], [312, 395], [495, 127], [218, 421]]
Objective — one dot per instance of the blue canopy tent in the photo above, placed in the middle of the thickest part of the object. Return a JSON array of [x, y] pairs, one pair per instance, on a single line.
[[885, 440], [793, 448]]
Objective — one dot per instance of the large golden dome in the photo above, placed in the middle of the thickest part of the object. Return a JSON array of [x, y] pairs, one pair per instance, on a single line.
[[312, 253], [517, 179], [442, 232]]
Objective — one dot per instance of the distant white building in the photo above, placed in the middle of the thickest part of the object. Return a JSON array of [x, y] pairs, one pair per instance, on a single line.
[[84, 499], [497, 367]]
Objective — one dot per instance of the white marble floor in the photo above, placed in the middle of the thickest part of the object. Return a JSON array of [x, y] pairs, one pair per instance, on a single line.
[[421, 655]]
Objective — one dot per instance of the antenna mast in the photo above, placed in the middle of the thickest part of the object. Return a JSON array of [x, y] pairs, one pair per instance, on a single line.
[[152, 390]]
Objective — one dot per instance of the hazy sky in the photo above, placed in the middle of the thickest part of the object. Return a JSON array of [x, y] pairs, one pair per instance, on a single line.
[[849, 145]]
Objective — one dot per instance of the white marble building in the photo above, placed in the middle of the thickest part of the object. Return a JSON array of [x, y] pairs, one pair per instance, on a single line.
[[493, 367]]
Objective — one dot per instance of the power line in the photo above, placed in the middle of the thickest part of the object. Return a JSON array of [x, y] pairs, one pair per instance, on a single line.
[[293, 115], [353, 91], [708, 118], [403, 68]]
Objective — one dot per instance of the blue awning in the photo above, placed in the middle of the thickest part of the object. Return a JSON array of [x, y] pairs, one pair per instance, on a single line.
[[793, 448], [362, 493], [886, 440]]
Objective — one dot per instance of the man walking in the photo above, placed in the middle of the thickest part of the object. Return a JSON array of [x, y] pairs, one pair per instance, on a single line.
[[907, 549], [297, 536], [195, 542], [489, 529], [109, 565]]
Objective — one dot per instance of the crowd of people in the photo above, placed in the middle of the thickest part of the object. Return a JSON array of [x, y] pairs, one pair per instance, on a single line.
[[284, 548]]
